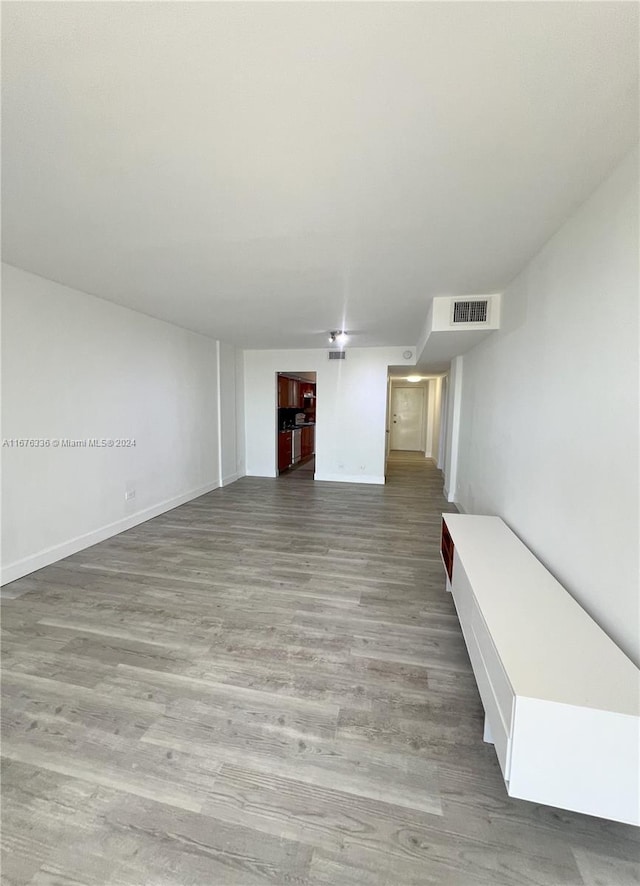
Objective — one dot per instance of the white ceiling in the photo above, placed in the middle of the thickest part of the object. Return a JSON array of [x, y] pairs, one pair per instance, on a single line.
[[266, 172]]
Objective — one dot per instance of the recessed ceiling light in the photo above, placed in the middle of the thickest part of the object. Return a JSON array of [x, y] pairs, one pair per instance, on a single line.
[[414, 378]]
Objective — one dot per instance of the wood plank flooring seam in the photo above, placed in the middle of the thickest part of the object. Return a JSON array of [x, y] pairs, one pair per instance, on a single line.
[[261, 687]]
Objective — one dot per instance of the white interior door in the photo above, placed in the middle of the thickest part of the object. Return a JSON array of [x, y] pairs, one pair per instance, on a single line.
[[407, 418]]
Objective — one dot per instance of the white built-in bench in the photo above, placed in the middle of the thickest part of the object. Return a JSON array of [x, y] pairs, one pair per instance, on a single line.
[[561, 700]]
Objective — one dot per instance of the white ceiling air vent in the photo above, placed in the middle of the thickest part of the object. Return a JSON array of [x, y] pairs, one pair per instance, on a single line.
[[454, 325], [337, 355], [470, 311]]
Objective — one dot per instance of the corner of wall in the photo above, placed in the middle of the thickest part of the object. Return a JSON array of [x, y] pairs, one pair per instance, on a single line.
[[13, 571]]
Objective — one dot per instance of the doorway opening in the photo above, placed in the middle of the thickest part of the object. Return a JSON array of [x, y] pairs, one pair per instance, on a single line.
[[296, 424], [413, 417]]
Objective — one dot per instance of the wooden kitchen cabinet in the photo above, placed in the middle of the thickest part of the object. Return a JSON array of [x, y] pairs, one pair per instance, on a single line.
[[294, 393], [308, 441], [289, 395], [283, 391], [284, 450]]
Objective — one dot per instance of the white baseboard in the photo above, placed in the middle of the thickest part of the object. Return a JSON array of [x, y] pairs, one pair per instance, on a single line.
[[350, 478], [227, 481], [19, 568], [448, 496]]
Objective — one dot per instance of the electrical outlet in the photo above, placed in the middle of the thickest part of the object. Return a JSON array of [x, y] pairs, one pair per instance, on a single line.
[[129, 494]]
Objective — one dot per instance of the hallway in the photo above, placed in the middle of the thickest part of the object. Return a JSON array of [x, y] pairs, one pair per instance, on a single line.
[[267, 685]]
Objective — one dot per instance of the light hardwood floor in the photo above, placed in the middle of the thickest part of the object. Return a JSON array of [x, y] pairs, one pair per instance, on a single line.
[[267, 685]]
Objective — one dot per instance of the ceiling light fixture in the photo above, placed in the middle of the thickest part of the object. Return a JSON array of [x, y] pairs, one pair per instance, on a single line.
[[414, 378], [338, 337]]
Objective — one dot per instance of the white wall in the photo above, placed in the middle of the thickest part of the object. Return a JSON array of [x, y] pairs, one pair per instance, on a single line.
[[230, 460], [442, 422], [452, 431], [549, 421], [350, 412], [435, 409], [75, 367], [240, 416]]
